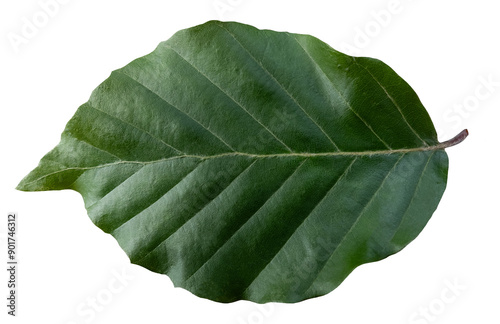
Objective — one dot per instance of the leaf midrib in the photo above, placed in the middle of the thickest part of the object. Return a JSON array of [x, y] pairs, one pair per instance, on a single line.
[[440, 146]]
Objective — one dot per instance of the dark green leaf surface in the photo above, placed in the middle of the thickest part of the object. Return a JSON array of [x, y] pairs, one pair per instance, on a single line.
[[252, 164]]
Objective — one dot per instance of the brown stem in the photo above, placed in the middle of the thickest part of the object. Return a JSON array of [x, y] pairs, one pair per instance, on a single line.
[[455, 140]]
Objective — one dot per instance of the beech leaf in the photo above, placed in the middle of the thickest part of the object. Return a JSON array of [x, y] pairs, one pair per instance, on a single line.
[[252, 164]]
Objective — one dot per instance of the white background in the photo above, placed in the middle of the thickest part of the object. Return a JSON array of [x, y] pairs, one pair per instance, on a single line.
[[445, 49]]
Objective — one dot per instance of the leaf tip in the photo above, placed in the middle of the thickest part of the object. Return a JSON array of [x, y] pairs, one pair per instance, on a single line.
[[22, 186]]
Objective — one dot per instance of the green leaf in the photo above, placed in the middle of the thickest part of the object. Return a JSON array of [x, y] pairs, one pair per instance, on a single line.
[[252, 164]]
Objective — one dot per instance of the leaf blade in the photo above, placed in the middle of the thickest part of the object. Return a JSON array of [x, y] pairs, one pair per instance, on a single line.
[[230, 211]]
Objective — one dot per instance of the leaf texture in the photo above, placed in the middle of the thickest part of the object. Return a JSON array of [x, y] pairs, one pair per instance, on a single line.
[[251, 164]]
